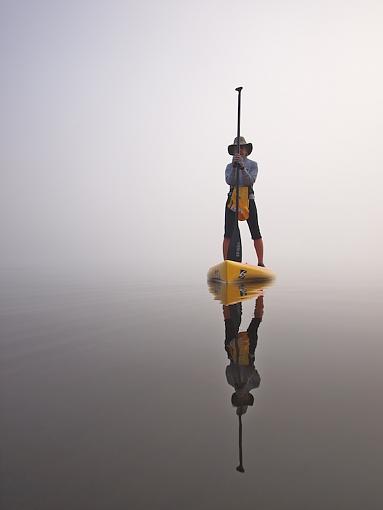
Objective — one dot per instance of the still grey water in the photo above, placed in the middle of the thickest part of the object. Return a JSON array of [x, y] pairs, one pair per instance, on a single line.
[[120, 396]]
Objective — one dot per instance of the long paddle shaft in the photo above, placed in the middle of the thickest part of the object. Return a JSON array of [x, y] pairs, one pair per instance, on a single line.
[[235, 245], [238, 89]]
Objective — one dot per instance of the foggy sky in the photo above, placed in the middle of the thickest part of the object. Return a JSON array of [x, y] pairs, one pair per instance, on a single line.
[[116, 118]]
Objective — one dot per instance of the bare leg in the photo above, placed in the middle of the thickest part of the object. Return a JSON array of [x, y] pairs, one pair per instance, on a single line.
[[258, 245], [226, 243]]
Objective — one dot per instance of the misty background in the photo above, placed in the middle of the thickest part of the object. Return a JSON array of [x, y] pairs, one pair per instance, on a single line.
[[116, 118]]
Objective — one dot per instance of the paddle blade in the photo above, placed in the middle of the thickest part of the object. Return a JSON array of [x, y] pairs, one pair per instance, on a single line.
[[235, 246]]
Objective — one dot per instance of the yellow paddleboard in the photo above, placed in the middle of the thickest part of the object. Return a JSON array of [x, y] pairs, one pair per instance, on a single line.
[[237, 272]]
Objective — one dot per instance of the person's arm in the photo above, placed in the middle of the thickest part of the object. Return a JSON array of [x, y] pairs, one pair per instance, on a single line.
[[230, 175], [249, 175]]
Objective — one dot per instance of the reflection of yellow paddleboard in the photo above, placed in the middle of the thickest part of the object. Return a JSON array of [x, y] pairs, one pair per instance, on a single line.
[[230, 293], [229, 272]]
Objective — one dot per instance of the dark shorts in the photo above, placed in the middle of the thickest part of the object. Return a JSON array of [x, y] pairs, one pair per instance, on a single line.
[[252, 221]]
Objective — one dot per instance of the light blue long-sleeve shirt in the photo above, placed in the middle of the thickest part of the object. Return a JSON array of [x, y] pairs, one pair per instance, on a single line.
[[247, 175]]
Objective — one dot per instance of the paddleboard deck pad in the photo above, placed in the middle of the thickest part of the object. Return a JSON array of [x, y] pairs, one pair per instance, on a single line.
[[229, 271]]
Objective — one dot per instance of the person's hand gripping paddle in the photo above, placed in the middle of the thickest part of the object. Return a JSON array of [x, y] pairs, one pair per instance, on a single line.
[[235, 246]]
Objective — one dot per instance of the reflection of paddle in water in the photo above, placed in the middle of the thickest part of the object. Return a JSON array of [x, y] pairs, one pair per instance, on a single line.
[[240, 468], [241, 372]]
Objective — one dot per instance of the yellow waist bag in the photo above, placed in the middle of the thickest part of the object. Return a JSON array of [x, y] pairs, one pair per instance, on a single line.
[[243, 202]]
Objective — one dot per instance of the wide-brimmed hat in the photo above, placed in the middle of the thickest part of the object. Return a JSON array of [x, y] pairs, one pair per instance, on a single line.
[[242, 142]]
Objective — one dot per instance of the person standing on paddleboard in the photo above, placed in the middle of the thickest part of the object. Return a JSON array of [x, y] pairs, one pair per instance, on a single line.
[[248, 171]]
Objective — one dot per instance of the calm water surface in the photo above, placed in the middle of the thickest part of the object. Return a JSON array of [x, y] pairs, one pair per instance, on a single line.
[[116, 396]]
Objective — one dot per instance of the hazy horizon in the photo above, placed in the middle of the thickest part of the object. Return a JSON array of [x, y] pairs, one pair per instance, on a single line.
[[117, 116]]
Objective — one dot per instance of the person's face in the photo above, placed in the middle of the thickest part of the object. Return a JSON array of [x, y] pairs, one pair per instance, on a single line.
[[243, 151]]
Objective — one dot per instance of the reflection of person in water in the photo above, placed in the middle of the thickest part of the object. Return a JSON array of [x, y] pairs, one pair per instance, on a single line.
[[240, 348]]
